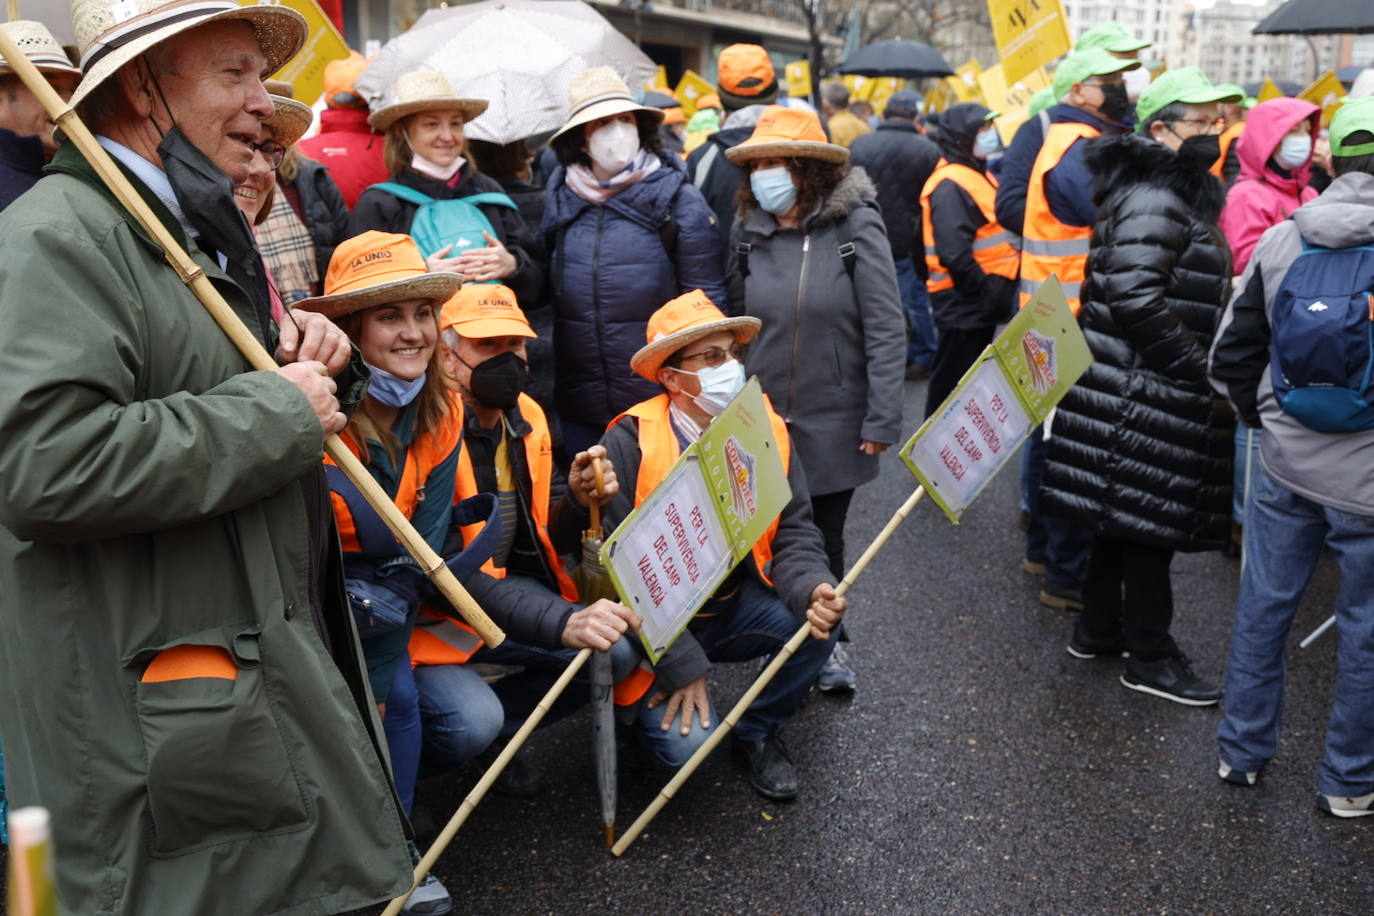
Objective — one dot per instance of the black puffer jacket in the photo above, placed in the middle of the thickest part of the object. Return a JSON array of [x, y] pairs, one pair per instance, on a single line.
[[1141, 447], [899, 160]]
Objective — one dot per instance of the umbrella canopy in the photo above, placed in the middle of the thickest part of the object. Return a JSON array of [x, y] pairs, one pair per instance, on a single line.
[[1287, 87], [897, 57], [519, 55], [1318, 17]]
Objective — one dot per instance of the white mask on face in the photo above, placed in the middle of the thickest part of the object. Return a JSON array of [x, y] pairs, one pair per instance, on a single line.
[[1294, 151], [614, 146], [1136, 81], [719, 385], [433, 169]]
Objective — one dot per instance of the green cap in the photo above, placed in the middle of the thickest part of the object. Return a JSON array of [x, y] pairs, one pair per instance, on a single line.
[[1110, 36], [1234, 89], [1040, 101], [1081, 65], [1184, 84], [1353, 116]]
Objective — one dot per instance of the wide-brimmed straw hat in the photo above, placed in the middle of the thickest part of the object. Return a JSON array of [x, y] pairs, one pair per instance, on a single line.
[[600, 93], [784, 133], [38, 45], [689, 317], [423, 90], [110, 33], [481, 310], [290, 119], [376, 268]]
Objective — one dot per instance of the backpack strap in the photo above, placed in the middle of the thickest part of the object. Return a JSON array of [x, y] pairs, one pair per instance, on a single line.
[[704, 164], [374, 537], [668, 229], [403, 192], [742, 249], [489, 198], [849, 255]]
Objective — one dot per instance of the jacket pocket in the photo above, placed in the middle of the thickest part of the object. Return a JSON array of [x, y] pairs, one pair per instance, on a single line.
[[839, 366], [218, 769]]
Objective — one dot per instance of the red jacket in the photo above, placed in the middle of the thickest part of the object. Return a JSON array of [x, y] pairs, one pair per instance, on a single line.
[[349, 149]]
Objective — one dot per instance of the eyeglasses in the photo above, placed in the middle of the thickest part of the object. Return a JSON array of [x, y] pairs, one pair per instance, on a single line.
[[1203, 125], [715, 356], [271, 151]]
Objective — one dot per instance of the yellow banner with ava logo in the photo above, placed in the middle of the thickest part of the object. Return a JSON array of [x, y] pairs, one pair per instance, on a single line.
[[1029, 34]]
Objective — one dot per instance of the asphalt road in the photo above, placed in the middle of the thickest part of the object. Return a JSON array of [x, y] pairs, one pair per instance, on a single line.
[[978, 769]]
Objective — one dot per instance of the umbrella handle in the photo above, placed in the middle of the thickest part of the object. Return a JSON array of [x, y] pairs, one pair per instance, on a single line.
[[594, 505]]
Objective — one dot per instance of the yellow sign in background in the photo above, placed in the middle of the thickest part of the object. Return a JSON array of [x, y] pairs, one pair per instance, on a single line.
[[1029, 34], [1012, 101], [1269, 90], [799, 79], [690, 88], [964, 82], [323, 43], [1327, 91]]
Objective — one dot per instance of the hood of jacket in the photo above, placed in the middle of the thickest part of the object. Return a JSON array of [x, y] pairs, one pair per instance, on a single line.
[[853, 191], [1343, 216], [645, 202], [1265, 127], [1122, 160], [353, 120], [959, 127]]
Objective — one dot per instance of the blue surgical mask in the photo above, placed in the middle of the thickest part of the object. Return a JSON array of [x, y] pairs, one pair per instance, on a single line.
[[1294, 151], [773, 189], [719, 385], [392, 390], [987, 143]]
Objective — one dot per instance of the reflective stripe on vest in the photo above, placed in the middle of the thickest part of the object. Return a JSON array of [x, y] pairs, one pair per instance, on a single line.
[[994, 248], [1228, 138], [426, 453], [658, 449], [632, 688], [539, 464], [437, 640], [1049, 246]]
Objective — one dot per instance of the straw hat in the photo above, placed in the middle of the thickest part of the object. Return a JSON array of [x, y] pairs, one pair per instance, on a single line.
[[423, 90], [289, 121], [689, 317], [376, 268], [787, 132], [111, 33], [600, 93], [38, 45], [483, 310]]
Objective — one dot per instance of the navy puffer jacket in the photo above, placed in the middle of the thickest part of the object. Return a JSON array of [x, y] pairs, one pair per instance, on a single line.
[[610, 270]]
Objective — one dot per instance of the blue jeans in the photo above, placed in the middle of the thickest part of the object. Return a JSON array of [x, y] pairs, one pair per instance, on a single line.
[[1284, 536], [751, 624], [1247, 455], [401, 724], [1060, 543], [920, 346]]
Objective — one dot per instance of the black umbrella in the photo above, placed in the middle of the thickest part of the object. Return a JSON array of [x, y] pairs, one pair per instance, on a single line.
[[897, 57], [1287, 87], [1318, 17]]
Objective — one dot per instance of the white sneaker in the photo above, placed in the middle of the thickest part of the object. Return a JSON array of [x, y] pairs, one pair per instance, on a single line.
[[1236, 777], [1346, 807]]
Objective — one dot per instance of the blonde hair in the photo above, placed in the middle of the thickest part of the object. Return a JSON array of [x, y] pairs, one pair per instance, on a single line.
[[396, 151]]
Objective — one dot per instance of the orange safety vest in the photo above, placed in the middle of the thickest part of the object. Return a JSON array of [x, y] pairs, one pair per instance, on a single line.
[[1229, 136], [996, 250], [658, 450], [1047, 245]]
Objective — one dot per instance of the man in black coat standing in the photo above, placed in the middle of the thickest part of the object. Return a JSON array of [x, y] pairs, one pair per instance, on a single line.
[[899, 159]]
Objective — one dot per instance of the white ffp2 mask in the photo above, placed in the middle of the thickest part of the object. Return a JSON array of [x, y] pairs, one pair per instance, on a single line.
[[614, 146]]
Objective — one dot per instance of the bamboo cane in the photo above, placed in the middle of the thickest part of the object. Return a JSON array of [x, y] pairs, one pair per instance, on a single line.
[[13, 7], [65, 117], [793, 644], [493, 773]]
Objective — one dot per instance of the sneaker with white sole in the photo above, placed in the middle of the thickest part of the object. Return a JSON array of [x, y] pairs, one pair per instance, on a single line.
[[1032, 567], [1338, 806], [1236, 777], [836, 676], [1171, 678], [431, 898]]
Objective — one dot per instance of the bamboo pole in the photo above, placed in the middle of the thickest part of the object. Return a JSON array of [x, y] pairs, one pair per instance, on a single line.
[[13, 7], [793, 644], [65, 117], [493, 773]]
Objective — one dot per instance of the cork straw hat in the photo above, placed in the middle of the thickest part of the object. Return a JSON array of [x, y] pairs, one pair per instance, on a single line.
[[290, 119], [600, 93], [423, 90], [38, 45], [784, 133], [685, 319], [376, 268], [110, 33]]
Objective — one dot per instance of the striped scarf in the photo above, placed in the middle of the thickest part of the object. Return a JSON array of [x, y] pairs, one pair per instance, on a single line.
[[289, 251]]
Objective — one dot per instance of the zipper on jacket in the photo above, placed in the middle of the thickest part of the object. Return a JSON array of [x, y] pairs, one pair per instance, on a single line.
[[796, 328]]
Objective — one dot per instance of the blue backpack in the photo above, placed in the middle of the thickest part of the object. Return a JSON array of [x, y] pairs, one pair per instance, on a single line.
[[458, 220], [1322, 347]]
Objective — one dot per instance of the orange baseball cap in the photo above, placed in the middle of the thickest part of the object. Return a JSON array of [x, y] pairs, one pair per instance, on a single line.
[[709, 100], [745, 76], [484, 310], [674, 116], [339, 77], [376, 268], [689, 317], [787, 132]]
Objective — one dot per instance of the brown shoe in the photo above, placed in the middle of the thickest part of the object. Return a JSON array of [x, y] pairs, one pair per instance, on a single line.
[[917, 371]]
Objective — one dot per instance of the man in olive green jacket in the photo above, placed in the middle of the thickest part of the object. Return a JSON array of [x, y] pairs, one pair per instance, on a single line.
[[181, 680]]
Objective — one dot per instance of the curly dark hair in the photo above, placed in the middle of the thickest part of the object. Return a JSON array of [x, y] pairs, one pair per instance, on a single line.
[[568, 148], [815, 180]]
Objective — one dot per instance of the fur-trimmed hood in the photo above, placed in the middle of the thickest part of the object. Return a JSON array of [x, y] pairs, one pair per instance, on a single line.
[[1123, 160], [853, 191]]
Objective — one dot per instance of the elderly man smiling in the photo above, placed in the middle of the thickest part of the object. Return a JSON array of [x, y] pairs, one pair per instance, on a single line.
[[182, 681]]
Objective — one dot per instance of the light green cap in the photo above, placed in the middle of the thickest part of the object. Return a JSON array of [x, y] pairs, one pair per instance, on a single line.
[[1353, 116], [1184, 84], [1110, 36], [1081, 65], [1041, 100]]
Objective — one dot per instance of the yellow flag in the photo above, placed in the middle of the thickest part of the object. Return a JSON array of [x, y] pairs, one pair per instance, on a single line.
[[860, 87], [1012, 102], [323, 43], [660, 80], [884, 88], [1029, 34], [690, 88], [1269, 90], [799, 79], [964, 82], [940, 97], [1327, 91]]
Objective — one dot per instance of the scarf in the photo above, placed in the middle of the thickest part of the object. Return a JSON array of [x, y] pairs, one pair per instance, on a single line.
[[289, 250], [586, 186], [688, 428]]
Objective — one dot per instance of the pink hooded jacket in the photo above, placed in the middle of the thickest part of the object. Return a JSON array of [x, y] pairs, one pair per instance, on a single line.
[[1262, 196]]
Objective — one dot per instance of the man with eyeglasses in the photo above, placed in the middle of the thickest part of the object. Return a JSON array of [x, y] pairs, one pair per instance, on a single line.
[[694, 351]]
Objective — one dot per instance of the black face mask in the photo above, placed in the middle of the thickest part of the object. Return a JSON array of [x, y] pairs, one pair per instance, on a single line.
[[1115, 103], [498, 382], [1201, 151]]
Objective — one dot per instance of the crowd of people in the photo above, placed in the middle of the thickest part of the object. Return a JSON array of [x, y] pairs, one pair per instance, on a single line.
[[238, 672]]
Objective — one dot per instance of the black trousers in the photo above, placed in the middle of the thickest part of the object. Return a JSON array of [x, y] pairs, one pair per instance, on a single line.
[[1128, 596], [829, 512], [955, 352]]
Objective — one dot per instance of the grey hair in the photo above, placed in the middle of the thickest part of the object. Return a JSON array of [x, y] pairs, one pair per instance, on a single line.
[[1174, 111], [451, 339], [105, 100], [836, 95]]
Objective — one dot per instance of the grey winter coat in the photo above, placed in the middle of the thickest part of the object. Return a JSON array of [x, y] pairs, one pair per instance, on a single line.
[[832, 351]]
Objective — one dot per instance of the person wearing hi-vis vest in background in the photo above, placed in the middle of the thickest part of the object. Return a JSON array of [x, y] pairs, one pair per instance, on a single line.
[[694, 353], [507, 452], [970, 261]]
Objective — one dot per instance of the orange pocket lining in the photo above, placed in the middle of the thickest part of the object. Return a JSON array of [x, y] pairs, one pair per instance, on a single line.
[[180, 663]]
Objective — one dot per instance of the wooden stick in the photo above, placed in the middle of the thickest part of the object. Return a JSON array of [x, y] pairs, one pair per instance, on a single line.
[[13, 6], [65, 117], [793, 644], [493, 773]]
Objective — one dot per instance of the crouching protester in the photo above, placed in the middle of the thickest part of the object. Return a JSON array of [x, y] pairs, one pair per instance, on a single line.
[[507, 452], [190, 703], [695, 353], [1295, 337]]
